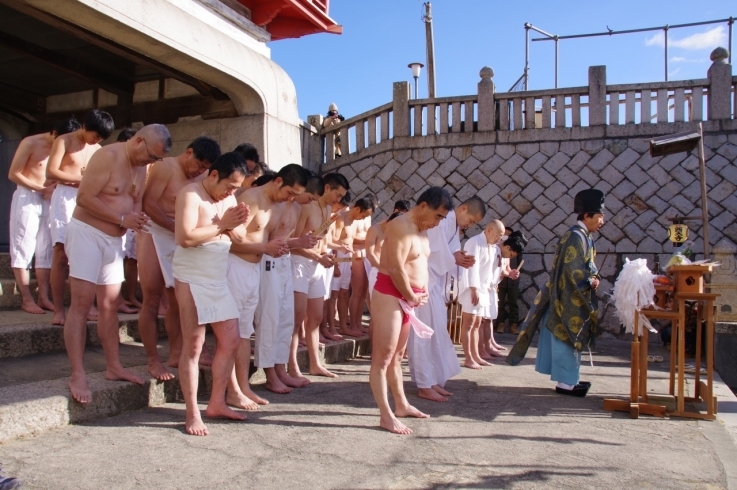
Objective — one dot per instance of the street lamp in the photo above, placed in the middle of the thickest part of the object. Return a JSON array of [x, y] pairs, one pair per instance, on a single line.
[[416, 67]]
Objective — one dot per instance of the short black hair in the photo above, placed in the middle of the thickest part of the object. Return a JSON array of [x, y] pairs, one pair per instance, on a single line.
[[227, 163], [258, 169], [315, 185], [248, 152], [516, 242], [100, 122], [583, 216], [346, 200], [66, 126], [365, 203], [125, 134], [394, 215], [292, 175], [205, 149], [402, 205], [264, 179], [436, 197], [476, 206], [335, 180]]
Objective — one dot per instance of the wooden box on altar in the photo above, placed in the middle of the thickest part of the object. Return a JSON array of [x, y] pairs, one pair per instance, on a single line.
[[660, 295], [689, 278]]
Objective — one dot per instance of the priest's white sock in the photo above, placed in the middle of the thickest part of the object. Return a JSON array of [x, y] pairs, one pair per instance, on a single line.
[[564, 386]]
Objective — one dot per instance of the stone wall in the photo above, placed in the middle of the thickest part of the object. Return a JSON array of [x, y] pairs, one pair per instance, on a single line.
[[530, 185]]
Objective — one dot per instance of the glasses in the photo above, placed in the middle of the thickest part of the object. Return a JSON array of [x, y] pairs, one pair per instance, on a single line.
[[150, 156]]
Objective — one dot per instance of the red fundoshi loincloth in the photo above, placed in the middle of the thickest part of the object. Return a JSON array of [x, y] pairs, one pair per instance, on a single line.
[[385, 285]]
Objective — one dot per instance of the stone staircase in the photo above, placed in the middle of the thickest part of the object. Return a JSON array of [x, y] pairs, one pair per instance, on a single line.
[[34, 369]]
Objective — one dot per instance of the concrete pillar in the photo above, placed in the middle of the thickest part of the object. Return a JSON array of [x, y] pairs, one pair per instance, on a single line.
[[400, 108], [720, 85], [486, 104], [597, 95]]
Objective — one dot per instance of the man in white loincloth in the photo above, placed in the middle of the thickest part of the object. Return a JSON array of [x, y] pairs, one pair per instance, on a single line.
[[165, 179], [108, 203], [69, 156], [433, 361], [30, 231], [207, 220]]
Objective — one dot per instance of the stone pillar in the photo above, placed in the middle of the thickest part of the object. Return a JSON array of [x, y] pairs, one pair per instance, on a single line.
[[720, 85], [486, 104], [597, 95], [724, 280], [400, 108]]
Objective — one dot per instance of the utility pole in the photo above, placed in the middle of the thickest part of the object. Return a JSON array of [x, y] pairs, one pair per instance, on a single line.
[[430, 51]]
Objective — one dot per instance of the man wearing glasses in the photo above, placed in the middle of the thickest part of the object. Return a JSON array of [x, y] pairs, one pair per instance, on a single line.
[[156, 249], [108, 203]]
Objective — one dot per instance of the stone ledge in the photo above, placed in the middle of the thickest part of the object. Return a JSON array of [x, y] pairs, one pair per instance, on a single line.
[[27, 409]]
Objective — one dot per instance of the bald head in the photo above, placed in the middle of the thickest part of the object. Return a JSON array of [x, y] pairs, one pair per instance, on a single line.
[[470, 212], [494, 231], [157, 134]]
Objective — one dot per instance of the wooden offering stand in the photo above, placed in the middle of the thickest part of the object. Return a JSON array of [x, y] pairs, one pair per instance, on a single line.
[[689, 286]]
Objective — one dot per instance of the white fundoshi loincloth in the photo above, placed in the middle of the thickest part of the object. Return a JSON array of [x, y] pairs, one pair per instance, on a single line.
[[205, 269], [165, 247]]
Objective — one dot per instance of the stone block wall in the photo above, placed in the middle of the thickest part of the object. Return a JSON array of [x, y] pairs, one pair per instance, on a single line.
[[530, 185]]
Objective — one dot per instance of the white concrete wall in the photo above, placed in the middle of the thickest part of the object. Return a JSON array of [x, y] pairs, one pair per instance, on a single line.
[[188, 36]]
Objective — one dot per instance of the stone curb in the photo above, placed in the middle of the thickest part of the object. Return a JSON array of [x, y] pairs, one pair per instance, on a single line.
[[26, 410]]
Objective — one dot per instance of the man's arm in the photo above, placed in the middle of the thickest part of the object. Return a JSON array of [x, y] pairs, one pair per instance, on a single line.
[[186, 231], [372, 236], [155, 186], [24, 152], [53, 172]]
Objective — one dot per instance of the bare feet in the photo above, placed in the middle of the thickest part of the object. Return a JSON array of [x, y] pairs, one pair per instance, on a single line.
[[122, 374], [471, 364], [351, 333], [80, 389], [393, 425], [135, 303], [495, 353], [223, 412], [240, 400], [31, 307], [45, 304], [294, 381], [277, 386], [430, 394], [158, 371], [499, 347], [205, 358], [483, 362], [333, 336], [93, 314], [441, 390], [127, 309], [321, 371], [162, 310], [410, 411], [194, 425], [59, 318], [253, 396]]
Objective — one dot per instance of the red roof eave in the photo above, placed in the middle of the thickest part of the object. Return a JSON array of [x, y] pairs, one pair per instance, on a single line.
[[286, 19]]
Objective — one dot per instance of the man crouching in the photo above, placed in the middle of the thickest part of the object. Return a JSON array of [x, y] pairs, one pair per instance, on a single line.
[[206, 219], [402, 278]]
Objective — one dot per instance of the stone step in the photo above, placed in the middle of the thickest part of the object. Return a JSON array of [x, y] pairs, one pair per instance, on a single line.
[[10, 298], [34, 396], [24, 334], [6, 272]]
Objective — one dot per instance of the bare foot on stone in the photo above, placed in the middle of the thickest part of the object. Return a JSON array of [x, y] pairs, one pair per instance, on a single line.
[[46, 304], [223, 412], [410, 411], [439, 389], [321, 371], [393, 425], [430, 394], [205, 358], [80, 389], [158, 371], [126, 309], [241, 401], [122, 374], [294, 381], [32, 307], [194, 426], [59, 319], [93, 315], [483, 362], [471, 364], [277, 387]]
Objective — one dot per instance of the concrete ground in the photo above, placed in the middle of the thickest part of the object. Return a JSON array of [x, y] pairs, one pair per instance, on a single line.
[[504, 428]]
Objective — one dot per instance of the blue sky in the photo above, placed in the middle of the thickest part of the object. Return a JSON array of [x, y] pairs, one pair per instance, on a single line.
[[380, 37]]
